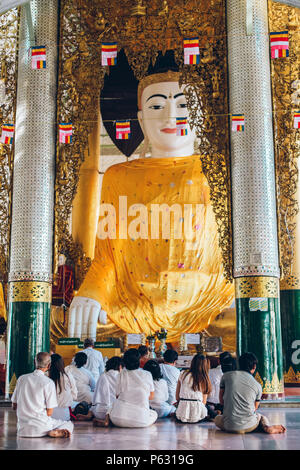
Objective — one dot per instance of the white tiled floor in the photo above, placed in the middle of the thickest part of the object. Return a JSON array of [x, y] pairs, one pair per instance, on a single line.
[[166, 434]]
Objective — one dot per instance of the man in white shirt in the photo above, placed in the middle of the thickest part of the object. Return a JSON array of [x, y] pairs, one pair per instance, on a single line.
[[95, 363], [34, 399], [215, 374]]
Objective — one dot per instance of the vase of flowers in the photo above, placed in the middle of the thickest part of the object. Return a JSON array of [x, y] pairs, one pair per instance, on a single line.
[[151, 341], [162, 336]]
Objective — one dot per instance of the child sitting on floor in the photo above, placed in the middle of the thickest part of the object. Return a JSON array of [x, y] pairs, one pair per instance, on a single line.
[[161, 394]]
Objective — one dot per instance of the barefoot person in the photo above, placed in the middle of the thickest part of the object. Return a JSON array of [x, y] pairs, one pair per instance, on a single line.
[[240, 395], [34, 399]]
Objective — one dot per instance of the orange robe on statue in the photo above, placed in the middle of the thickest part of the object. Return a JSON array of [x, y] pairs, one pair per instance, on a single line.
[[148, 284]]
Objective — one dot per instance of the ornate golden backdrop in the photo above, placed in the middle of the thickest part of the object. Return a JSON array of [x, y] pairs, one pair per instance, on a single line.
[[9, 27], [142, 29]]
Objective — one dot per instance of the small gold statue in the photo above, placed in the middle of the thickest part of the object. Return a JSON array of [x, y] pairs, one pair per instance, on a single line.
[[139, 9]]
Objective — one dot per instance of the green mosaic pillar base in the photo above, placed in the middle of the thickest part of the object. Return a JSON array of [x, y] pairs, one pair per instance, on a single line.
[[260, 332], [28, 328], [290, 321]]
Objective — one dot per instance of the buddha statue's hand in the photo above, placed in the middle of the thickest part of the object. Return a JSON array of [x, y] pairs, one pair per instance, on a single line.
[[84, 314]]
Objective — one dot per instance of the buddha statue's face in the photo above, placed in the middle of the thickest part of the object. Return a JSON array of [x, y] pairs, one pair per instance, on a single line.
[[161, 104]]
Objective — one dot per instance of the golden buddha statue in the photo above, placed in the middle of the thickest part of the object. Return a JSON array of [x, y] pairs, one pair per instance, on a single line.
[[142, 277]]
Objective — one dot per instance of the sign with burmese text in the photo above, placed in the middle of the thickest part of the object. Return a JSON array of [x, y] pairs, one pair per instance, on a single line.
[[192, 338]]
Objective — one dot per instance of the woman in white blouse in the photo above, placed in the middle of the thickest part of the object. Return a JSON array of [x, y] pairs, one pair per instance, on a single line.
[[105, 391], [66, 390], [84, 379], [134, 390], [161, 393], [192, 390]]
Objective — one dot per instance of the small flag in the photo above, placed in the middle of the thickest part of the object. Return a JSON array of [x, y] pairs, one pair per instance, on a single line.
[[279, 44], [109, 53], [297, 120], [181, 126], [122, 130], [238, 122], [7, 135], [38, 57], [65, 132], [258, 303], [191, 51]]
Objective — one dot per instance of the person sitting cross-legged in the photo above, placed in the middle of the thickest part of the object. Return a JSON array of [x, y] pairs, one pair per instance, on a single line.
[[240, 395], [66, 390], [34, 399], [105, 391], [145, 355], [192, 390], [161, 394], [170, 373], [84, 379], [134, 390]]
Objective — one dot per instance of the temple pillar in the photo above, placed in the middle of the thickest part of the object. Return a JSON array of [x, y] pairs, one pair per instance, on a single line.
[[255, 242], [290, 311], [30, 275]]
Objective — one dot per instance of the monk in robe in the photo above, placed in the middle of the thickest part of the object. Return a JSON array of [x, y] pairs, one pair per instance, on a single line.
[[149, 275]]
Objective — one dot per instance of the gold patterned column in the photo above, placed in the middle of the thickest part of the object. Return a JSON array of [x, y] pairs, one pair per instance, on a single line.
[[286, 100], [258, 329], [30, 275]]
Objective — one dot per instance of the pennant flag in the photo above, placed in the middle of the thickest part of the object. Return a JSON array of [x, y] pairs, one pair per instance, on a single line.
[[191, 51], [122, 130], [38, 57], [181, 126], [279, 44], [238, 122], [297, 120], [7, 135], [65, 132], [258, 303], [109, 53]]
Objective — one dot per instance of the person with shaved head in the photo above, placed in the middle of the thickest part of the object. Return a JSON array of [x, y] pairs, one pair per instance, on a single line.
[[34, 399]]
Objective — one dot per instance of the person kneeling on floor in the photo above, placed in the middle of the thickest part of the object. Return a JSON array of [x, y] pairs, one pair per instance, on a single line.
[[34, 399], [240, 395]]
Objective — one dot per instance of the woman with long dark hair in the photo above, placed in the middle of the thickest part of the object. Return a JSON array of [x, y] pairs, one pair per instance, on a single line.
[[192, 390], [66, 390]]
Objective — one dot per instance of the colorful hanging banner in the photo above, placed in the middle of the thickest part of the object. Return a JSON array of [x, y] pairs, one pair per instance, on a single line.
[[7, 135], [238, 122], [279, 44], [297, 120], [122, 130], [109, 53], [181, 126], [38, 57], [65, 132], [191, 51]]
